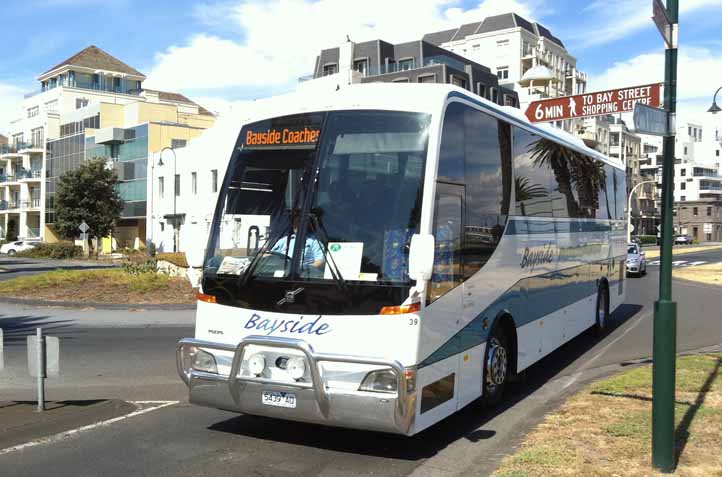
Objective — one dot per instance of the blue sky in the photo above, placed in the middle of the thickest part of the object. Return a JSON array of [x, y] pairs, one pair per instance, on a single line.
[[233, 50]]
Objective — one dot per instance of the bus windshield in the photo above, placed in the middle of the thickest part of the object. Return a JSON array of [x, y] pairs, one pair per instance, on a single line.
[[322, 197]]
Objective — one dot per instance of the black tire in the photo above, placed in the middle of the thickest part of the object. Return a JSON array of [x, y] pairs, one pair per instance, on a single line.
[[496, 370], [601, 311], [11, 252]]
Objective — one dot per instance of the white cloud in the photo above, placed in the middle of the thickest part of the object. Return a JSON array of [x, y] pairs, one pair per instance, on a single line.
[[698, 76], [281, 38], [11, 98], [615, 19]]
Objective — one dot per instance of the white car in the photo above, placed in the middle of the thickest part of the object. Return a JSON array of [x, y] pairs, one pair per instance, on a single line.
[[11, 248], [636, 260]]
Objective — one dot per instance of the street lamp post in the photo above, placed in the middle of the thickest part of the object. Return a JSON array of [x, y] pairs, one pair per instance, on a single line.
[[714, 109], [629, 207], [175, 195]]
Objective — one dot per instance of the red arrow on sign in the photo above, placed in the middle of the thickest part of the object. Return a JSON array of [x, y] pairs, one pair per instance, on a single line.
[[595, 104]]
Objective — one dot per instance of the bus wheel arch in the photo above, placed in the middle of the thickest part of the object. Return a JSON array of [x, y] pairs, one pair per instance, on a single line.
[[501, 346]]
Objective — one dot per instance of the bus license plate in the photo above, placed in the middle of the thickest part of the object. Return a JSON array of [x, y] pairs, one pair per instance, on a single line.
[[275, 398]]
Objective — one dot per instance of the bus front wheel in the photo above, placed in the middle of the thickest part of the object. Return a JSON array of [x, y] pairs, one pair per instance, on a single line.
[[497, 360]]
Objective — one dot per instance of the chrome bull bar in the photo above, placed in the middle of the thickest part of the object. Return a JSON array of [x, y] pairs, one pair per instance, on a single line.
[[236, 383]]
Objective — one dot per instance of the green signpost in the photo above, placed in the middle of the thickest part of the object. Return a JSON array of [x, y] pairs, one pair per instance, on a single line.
[[665, 310]]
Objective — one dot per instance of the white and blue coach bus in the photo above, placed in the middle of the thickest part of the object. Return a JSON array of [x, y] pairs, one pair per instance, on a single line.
[[383, 255]]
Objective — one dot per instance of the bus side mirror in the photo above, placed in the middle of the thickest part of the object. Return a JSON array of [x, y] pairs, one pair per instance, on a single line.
[[421, 256], [196, 240]]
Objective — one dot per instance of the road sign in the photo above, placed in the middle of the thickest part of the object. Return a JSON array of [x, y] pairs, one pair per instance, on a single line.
[[649, 120], [664, 24], [83, 227], [594, 104]]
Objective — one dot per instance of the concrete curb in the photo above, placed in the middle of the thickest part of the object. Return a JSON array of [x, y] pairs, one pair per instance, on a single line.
[[98, 306]]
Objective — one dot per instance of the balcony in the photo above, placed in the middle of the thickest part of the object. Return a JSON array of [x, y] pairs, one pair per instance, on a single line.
[[8, 205], [30, 204], [33, 174], [7, 178], [21, 148]]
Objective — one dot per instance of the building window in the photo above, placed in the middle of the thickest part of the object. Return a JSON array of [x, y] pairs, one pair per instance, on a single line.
[[685, 150], [509, 100], [502, 72], [400, 80], [694, 211], [427, 79], [683, 186], [362, 66], [80, 103], [162, 226], [683, 172], [716, 153], [689, 130], [481, 90], [406, 64], [178, 143], [37, 135], [214, 180], [708, 237], [709, 211], [34, 111], [460, 82], [176, 186], [683, 198], [330, 69], [161, 187], [194, 183]]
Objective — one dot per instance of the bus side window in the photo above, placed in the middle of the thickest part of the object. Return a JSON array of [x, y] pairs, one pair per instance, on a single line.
[[611, 195], [532, 175]]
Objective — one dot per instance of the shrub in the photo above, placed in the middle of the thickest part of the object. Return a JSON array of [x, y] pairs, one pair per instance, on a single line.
[[176, 258], [138, 268], [647, 239], [53, 250]]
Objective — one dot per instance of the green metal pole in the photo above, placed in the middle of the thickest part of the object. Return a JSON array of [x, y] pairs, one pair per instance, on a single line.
[[665, 310]]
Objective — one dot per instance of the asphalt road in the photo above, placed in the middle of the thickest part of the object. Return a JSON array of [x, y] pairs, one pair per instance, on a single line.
[[13, 267], [137, 364]]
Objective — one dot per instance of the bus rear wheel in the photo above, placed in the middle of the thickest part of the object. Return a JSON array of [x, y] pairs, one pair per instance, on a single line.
[[496, 367], [602, 309]]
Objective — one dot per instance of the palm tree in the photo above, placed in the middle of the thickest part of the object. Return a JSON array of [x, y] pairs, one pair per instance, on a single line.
[[525, 191], [560, 159]]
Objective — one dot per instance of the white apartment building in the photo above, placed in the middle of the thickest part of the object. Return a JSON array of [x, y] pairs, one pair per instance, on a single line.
[[524, 55]]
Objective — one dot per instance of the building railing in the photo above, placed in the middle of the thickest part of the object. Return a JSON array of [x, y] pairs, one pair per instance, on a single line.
[[18, 146], [30, 204], [445, 60], [31, 174], [7, 178]]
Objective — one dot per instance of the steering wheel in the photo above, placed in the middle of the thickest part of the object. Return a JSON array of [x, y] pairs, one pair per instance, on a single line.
[[267, 265]]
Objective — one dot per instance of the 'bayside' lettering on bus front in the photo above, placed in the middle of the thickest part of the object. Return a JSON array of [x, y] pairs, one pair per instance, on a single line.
[[538, 256], [287, 326], [274, 137]]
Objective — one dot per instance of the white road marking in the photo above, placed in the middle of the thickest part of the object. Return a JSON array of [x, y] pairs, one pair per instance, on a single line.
[[677, 263], [72, 432], [587, 364], [654, 262], [694, 264]]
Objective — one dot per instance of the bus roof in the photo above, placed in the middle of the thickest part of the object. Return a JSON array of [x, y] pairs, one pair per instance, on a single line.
[[407, 97]]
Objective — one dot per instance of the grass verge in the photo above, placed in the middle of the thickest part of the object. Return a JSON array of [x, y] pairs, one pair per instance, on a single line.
[[709, 273], [99, 286], [605, 430], [681, 251]]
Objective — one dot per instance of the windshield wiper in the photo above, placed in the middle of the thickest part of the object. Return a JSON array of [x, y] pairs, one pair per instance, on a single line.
[[335, 271]]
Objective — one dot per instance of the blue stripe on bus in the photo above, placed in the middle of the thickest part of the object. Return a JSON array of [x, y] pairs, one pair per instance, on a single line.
[[530, 299], [523, 226]]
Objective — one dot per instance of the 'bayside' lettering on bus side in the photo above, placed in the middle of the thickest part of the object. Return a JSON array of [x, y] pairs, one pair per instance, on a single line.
[[538, 256]]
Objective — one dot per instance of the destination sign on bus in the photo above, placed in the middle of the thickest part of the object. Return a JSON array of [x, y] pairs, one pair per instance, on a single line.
[[282, 137]]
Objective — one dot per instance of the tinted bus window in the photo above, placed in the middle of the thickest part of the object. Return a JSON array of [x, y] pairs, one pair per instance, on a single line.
[[621, 194], [451, 154], [611, 193], [532, 176]]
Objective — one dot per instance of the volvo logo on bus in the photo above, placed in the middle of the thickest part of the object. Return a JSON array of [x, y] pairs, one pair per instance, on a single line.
[[290, 296]]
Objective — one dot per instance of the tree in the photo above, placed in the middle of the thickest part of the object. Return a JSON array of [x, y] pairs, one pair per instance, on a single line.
[[87, 194]]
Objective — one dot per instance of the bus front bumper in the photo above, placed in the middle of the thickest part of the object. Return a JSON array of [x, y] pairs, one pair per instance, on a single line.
[[315, 402]]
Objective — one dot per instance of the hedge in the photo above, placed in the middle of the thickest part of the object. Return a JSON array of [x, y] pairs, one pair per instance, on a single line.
[[176, 258], [53, 250]]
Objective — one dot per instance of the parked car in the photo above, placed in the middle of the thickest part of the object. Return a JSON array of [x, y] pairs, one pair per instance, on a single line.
[[12, 248], [636, 260], [683, 240]]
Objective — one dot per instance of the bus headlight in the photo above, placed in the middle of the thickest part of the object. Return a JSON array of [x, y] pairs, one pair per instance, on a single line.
[[257, 364], [204, 361], [296, 368], [380, 381]]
